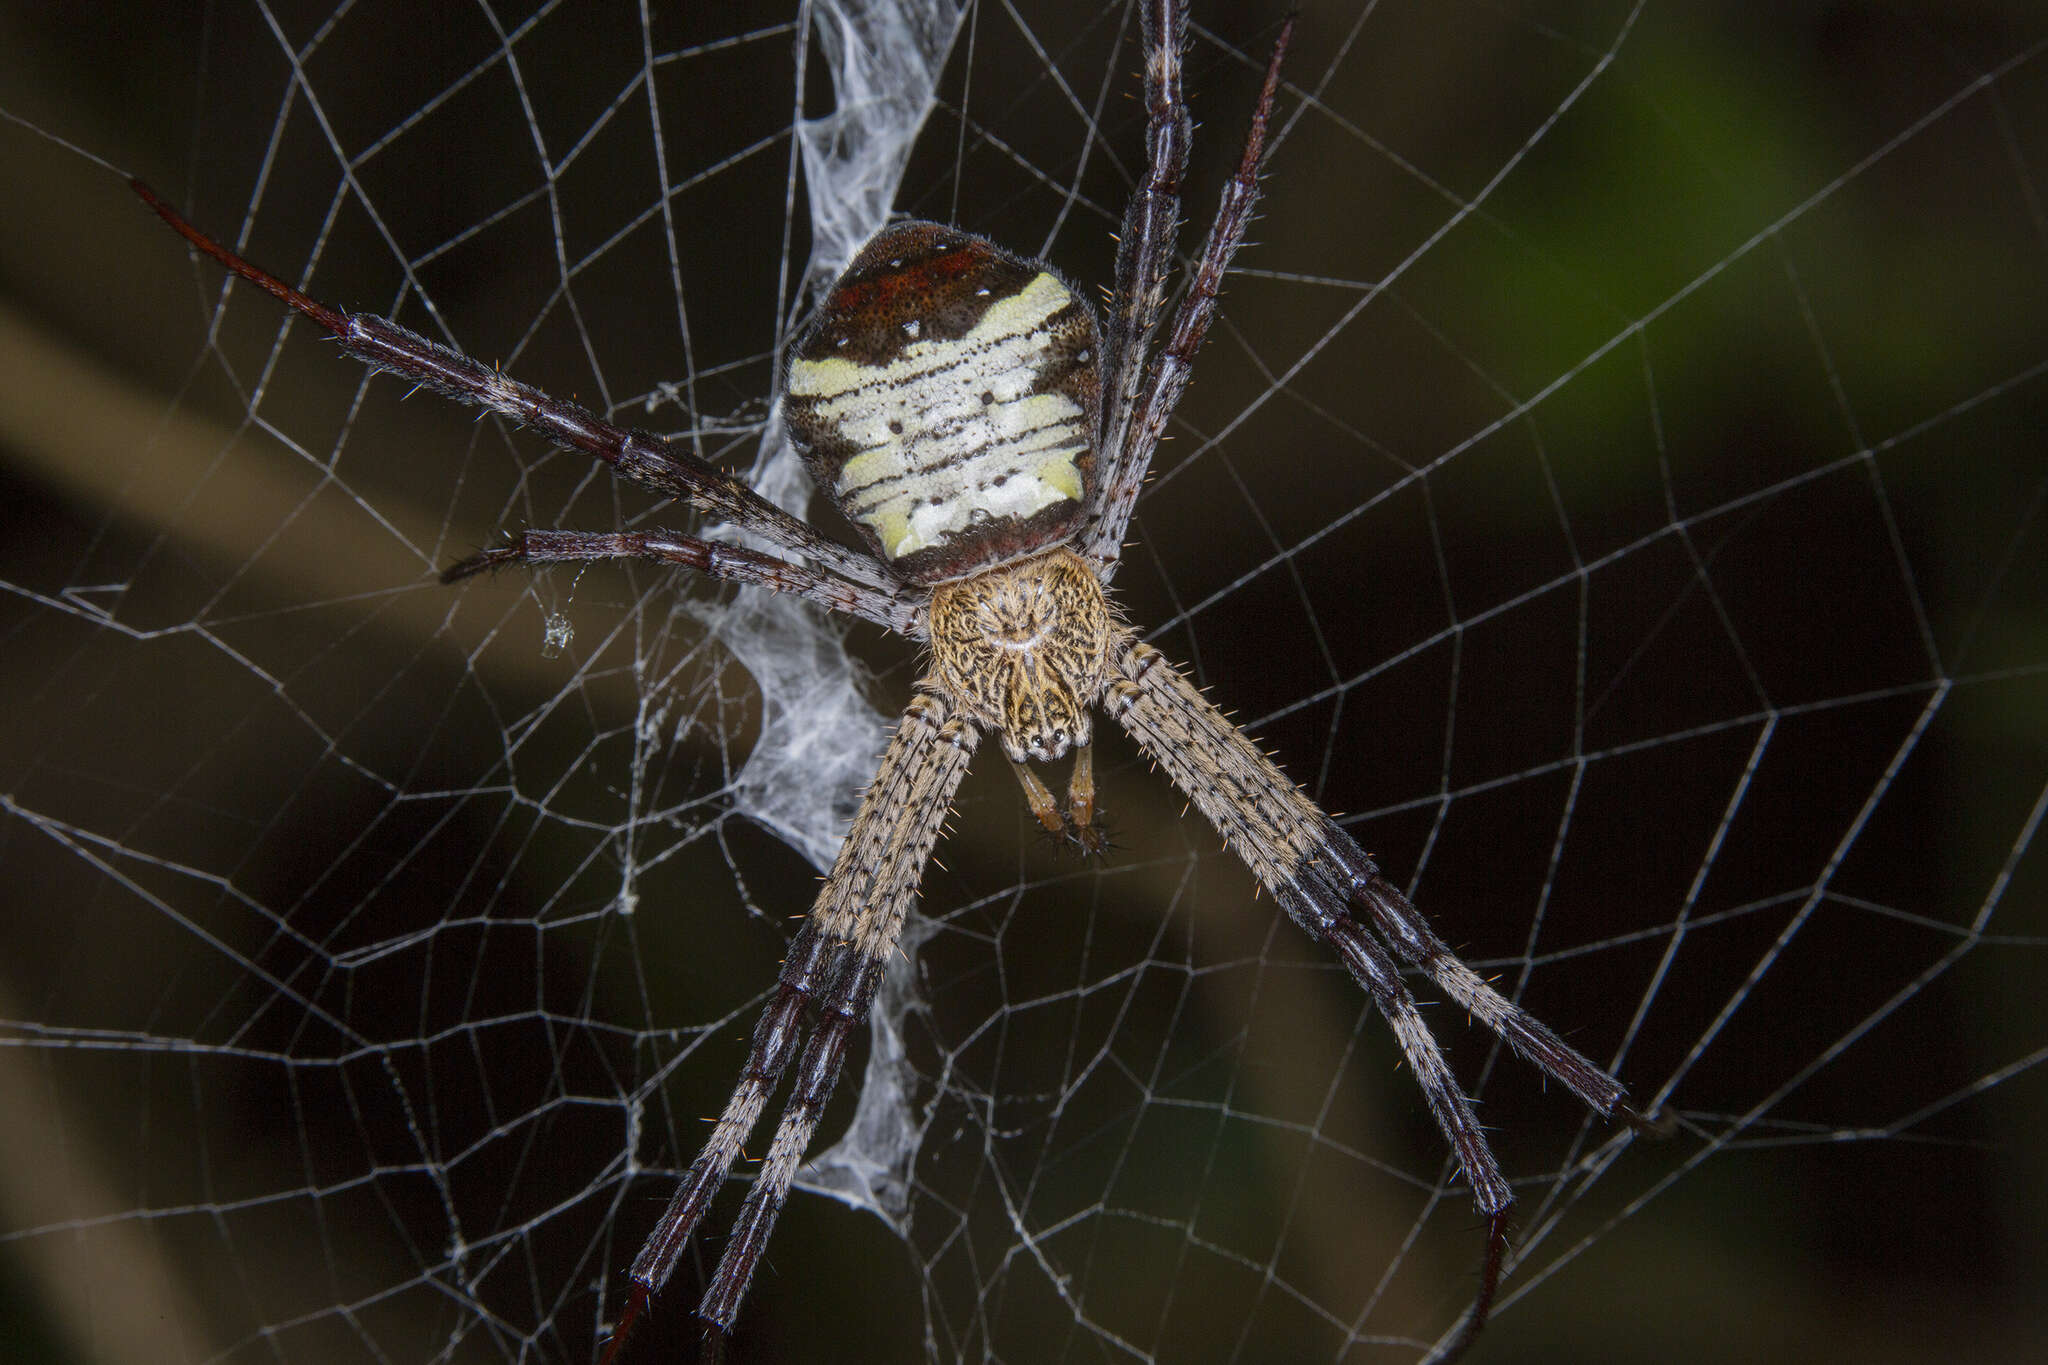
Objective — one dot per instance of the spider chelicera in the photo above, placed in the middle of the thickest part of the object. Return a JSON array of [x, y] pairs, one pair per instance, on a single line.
[[967, 414]]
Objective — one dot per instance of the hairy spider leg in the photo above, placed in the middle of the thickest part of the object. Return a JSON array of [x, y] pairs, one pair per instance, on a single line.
[[835, 963], [892, 610], [639, 455], [1317, 873], [1148, 235], [1139, 407]]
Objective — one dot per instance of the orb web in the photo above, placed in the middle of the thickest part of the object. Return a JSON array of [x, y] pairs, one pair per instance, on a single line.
[[1613, 484]]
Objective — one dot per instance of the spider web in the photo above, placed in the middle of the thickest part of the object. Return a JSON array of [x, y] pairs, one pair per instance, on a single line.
[[1615, 483]]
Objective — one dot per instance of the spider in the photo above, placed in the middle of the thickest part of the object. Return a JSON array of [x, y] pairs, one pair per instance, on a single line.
[[988, 439]]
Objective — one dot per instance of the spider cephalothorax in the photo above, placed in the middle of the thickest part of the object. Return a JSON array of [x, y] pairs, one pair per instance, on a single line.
[[959, 405], [1023, 649]]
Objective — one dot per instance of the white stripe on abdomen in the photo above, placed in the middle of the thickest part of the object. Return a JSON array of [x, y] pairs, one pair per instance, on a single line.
[[950, 432]]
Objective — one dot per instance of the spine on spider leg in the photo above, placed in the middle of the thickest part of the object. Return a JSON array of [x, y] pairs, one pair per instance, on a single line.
[[817, 1075], [639, 455], [1354, 879], [932, 752], [812, 957], [383, 344], [1277, 831], [1372, 968], [1261, 815], [1151, 223], [775, 1037], [1146, 395], [819, 961]]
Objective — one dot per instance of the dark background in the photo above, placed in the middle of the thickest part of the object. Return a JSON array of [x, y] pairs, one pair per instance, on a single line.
[[1659, 551]]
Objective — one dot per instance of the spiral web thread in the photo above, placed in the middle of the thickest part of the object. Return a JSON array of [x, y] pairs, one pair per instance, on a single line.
[[1615, 485]]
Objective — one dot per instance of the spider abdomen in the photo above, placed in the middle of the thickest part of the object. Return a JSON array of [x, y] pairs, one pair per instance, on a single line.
[[947, 397], [1023, 649]]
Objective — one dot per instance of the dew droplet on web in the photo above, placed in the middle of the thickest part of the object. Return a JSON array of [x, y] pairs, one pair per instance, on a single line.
[[556, 633]]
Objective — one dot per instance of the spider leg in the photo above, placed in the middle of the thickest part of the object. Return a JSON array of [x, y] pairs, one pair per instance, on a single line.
[[1151, 226], [1403, 926], [734, 563], [836, 962], [639, 455], [1142, 398], [936, 769], [1318, 873], [1324, 918]]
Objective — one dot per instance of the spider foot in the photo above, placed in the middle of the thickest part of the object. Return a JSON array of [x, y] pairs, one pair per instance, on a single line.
[[1448, 1353], [1658, 1123], [712, 1352], [678, 1337], [483, 561], [1087, 834]]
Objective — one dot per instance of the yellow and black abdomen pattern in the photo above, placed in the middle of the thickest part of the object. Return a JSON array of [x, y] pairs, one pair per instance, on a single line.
[[947, 397]]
